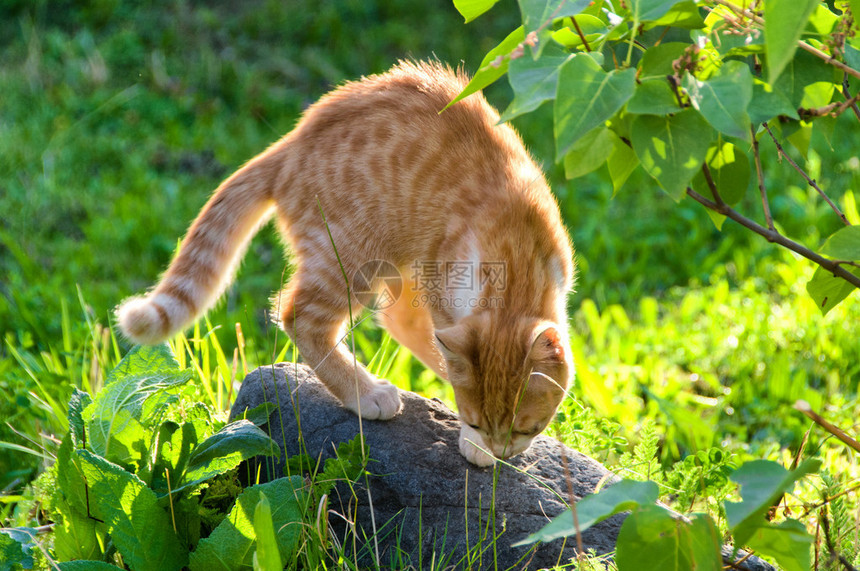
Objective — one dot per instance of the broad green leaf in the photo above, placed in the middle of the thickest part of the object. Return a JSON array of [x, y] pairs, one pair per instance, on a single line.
[[590, 152], [767, 104], [787, 542], [266, 557], [590, 510], [540, 14], [724, 98], [822, 21], [828, 290], [672, 148], [592, 28], [730, 171], [587, 96], [650, 10], [844, 244], [146, 373], [77, 537], [471, 9], [652, 540], [681, 15], [801, 72], [622, 162], [657, 61], [653, 97], [139, 528], [488, 73], [77, 403], [84, 565], [224, 451], [12, 553], [533, 81], [762, 484], [785, 21], [231, 545], [259, 415]]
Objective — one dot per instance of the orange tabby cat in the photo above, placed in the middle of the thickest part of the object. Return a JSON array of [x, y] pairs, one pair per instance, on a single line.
[[452, 200]]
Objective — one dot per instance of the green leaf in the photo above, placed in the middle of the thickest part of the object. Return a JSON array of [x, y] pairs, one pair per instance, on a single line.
[[224, 451], [139, 528], [622, 162], [471, 9], [540, 14], [648, 10], [230, 546], [802, 71], [592, 29], [657, 61], [724, 98], [489, 73], [787, 542], [730, 171], [762, 484], [653, 97], [145, 374], [681, 15], [260, 414], [844, 244], [767, 104], [266, 557], [12, 553], [672, 148], [533, 81], [785, 21], [590, 510], [587, 96], [652, 540], [84, 565], [77, 403], [590, 152], [828, 290]]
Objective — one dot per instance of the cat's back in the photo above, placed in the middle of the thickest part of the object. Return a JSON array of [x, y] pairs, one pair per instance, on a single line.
[[388, 141]]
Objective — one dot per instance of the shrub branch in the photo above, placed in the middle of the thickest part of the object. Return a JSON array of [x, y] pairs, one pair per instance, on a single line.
[[771, 235]]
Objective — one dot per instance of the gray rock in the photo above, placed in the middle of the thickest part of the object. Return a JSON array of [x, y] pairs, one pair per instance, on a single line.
[[428, 501], [429, 497]]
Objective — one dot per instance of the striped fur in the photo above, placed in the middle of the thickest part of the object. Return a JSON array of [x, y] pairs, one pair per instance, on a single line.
[[400, 182]]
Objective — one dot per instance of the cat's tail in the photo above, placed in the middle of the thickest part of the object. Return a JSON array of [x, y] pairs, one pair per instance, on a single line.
[[208, 256]]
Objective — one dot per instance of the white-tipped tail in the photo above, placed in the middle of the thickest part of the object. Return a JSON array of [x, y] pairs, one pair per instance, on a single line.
[[207, 258]]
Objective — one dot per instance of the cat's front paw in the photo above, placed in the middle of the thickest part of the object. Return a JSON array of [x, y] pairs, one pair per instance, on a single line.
[[380, 403], [470, 441]]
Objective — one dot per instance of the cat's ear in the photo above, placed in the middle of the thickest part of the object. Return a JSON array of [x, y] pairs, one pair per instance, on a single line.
[[549, 346], [455, 340]]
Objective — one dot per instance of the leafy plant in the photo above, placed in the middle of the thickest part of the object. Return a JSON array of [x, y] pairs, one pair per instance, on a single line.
[[686, 91], [134, 478], [652, 537]]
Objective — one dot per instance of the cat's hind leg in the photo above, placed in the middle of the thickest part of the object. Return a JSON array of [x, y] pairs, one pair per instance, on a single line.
[[314, 318]]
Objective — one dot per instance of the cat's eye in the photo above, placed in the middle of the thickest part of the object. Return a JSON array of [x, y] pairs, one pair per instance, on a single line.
[[474, 427]]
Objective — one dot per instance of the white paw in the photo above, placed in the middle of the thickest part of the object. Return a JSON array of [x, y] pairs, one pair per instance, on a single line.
[[381, 403], [470, 440]]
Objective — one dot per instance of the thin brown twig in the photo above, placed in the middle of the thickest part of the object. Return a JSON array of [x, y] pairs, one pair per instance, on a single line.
[[806, 177], [581, 35], [804, 407], [800, 43], [846, 92], [760, 175], [771, 235]]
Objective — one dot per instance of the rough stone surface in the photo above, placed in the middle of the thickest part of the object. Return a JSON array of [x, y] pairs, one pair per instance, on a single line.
[[424, 483], [432, 499]]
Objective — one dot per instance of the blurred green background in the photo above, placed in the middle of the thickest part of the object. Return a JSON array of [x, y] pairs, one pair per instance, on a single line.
[[118, 119]]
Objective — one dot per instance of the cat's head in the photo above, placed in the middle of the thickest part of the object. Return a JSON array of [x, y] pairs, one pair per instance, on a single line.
[[508, 377]]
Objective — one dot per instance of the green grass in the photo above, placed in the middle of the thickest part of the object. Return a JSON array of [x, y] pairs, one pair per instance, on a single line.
[[117, 121]]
